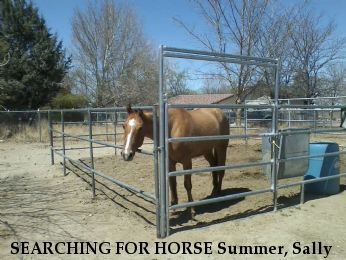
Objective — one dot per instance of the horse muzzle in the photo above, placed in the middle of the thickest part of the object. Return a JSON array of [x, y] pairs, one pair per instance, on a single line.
[[127, 156]]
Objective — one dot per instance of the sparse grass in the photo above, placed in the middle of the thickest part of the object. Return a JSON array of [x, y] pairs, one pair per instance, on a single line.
[[24, 133], [39, 133]]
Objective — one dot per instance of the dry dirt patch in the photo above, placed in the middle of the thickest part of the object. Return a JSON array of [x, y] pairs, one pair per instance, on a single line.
[[37, 203]]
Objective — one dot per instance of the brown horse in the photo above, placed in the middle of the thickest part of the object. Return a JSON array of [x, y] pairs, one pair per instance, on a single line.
[[182, 123]]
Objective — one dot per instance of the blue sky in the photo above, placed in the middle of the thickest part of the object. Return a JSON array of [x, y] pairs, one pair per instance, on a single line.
[[159, 26], [156, 16]]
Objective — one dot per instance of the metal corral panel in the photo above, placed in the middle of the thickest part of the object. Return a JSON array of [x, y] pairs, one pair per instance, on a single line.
[[323, 167], [291, 145]]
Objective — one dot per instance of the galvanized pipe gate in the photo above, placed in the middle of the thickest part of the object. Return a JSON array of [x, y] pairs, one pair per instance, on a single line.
[[162, 140], [165, 140], [274, 135]]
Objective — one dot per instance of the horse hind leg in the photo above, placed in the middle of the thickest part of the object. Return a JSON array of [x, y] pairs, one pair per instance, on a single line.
[[187, 180], [211, 158], [173, 184], [221, 153], [187, 165]]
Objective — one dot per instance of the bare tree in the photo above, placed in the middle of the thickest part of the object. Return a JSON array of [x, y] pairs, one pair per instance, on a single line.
[[234, 26], [275, 42], [215, 85], [314, 47], [335, 80], [176, 81], [114, 62]]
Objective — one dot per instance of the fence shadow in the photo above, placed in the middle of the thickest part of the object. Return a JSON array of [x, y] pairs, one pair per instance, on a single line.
[[182, 220], [211, 208], [31, 207], [177, 224], [293, 200], [141, 207]]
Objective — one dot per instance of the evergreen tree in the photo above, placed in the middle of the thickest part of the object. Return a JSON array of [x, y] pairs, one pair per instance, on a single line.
[[37, 62]]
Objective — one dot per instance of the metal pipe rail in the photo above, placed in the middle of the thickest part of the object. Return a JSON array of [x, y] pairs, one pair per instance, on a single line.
[[100, 142], [290, 108], [117, 182], [94, 110], [311, 156], [216, 137], [220, 57], [258, 119], [59, 136], [303, 182], [83, 122], [221, 106], [198, 171], [315, 131], [321, 107], [219, 199], [79, 148], [314, 98], [217, 59]]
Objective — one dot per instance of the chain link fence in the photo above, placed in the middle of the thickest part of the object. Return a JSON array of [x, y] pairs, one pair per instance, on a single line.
[[32, 125]]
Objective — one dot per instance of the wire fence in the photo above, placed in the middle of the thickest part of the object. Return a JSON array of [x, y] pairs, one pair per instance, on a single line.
[[321, 112], [32, 125]]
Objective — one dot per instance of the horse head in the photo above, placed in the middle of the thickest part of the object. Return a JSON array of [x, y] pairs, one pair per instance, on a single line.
[[133, 133]]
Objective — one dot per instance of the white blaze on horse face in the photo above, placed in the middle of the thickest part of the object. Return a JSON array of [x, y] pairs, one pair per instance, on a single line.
[[129, 140]]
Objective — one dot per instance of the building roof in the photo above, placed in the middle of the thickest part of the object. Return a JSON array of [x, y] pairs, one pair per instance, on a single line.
[[199, 99]]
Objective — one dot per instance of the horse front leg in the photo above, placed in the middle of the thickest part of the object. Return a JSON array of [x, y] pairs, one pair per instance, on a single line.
[[173, 184]]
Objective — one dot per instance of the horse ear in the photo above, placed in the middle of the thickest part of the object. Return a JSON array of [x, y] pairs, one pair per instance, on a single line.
[[140, 113], [129, 109]]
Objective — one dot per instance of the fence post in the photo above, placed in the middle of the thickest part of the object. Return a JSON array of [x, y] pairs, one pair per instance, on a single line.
[[315, 121], [91, 152], [50, 131], [245, 122], [275, 168], [39, 124], [289, 113], [63, 140], [163, 178], [106, 126], [115, 122], [156, 171], [166, 126], [302, 191], [276, 138]]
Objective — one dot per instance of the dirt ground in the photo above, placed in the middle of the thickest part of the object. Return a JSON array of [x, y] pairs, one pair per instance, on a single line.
[[38, 203]]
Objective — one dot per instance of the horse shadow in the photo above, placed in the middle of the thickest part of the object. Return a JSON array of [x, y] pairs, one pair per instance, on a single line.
[[181, 221], [211, 208], [181, 217]]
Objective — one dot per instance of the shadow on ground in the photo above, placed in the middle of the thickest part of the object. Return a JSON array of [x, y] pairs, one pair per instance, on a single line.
[[181, 220]]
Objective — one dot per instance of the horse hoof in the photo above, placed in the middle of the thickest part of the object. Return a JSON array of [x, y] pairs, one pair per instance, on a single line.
[[193, 213], [215, 192]]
